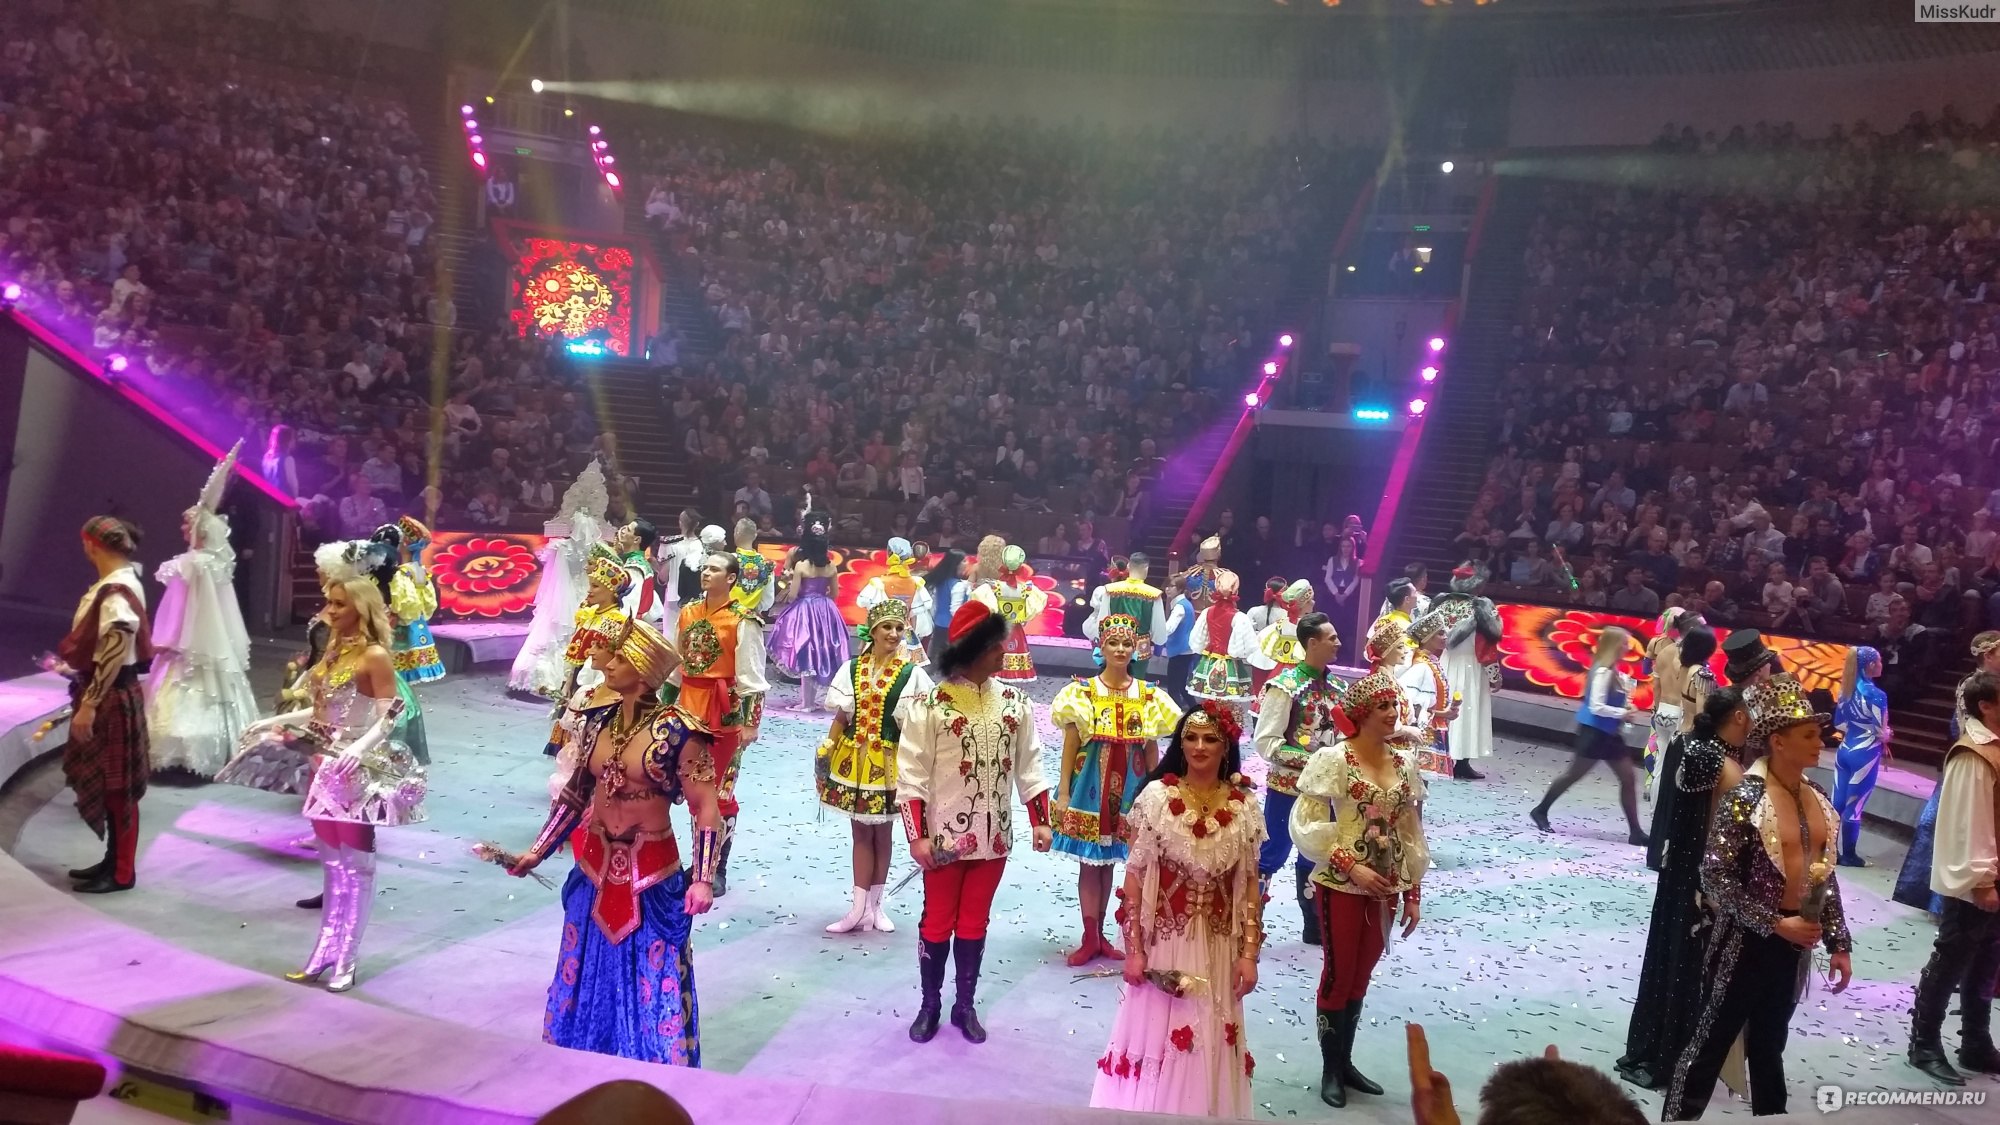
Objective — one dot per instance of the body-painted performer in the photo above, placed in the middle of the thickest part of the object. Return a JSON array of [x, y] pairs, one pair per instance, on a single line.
[[109, 647], [1276, 625], [809, 639], [540, 667], [902, 584], [720, 690], [1294, 719], [1428, 694], [855, 768], [1966, 865], [1663, 659], [1191, 906], [413, 601], [1863, 720], [1770, 878], [199, 696], [1015, 597], [1700, 767], [1357, 820], [1223, 640], [968, 750], [624, 982], [1111, 727], [1471, 656], [344, 752], [1913, 882], [1130, 595]]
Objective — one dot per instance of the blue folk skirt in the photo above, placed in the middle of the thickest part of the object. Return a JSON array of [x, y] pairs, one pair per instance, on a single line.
[[633, 998]]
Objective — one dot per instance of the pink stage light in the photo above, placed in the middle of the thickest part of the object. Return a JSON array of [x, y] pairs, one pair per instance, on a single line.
[[11, 292], [465, 111], [479, 158], [1285, 341], [1271, 368], [1418, 406], [1252, 400], [611, 178], [477, 139], [594, 130], [1430, 374], [117, 364], [611, 160], [1437, 343]]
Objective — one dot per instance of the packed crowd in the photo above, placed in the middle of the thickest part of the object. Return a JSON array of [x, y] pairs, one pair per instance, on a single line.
[[986, 326], [1750, 388], [253, 244]]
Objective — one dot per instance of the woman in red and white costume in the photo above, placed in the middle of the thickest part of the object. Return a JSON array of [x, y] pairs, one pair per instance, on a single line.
[[966, 742]]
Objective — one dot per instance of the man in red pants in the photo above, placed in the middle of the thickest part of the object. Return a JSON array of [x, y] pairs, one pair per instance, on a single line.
[[721, 685], [967, 741], [108, 649]]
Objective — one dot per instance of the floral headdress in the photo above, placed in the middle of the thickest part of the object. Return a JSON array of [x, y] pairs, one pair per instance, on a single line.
[[1363, 696], [1216, 717], [1385, 641], [1118, 625], [605, 570], [1120, 568]]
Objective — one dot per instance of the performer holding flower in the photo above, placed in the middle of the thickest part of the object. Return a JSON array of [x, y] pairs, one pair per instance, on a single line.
[[967, 742], [871, 697], [1111, 725], [1193, 924], [1357, 819]]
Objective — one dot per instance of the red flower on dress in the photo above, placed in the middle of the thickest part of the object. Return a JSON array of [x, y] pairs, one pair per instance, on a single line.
[[1223, 817], [1183, 1038], [1011, 721], [1200, 830], [1357, 790], [484, 575], [965, 767], [1124, 1068], [1006, 765], [1229, 1034], [1104, 1064], [1172, 780], [958, 725], [1177, 807], [1249, 1064]]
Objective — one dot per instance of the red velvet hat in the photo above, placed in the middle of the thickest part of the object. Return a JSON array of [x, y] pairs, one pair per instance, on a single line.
[[968, 618]]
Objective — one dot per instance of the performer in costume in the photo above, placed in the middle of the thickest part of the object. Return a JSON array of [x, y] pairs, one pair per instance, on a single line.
[[949, 586], [756, 590], [106, 757], [1663, 664], [541, 667], [1697, 684], [413, 601], [1190, 906], [1966, 955], [810, 637], [1357, 820], [1399, 604], [1015, 597], [1295, 718], [1863, 719], [597, 621], [624, 984], [967, 742], [1128, 594], [1913, 882], [1471, 659], [682, 565], [1600, 722], [1179, 647], [1199, 580], [1700, 768], [635, 542], [1223, 638], [1428, 694], [1267, 617], [384, 559], [361, 775], [855, 767], [1111, 725], [1770, 877], [720, 689], [915, 594], [199, 697]]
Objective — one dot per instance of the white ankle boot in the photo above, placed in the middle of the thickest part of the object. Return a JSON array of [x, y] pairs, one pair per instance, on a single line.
[[857, 915], [877, 920]]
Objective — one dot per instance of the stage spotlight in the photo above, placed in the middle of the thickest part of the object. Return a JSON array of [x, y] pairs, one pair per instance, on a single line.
[[594, 130], [611, 178], [535, 84], [1446, 167], [479, 158], [117, 364], [1285, 341], [10, 293], [1437, 343], [569, 112], [477, 139], [1252, 399], [489, 99], [1370, 414], [1350, 269], [610, 159], [471, 125], [1271, 368], [1418, 406], [1430, 374], [465, 111]]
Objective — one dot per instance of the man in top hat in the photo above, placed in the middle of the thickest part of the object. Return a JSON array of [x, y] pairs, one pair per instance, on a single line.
[[1746, 662], [1770, 877], [1965, 866], [107, 758], [1472, 629]]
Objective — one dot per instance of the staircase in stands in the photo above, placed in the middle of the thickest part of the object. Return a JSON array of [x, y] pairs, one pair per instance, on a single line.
[[1452, 462]]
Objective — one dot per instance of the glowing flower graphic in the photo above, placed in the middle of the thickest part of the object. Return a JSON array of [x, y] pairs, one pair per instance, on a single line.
[[484, 575]]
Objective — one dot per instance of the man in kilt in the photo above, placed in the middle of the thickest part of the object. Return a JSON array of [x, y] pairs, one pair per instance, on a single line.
[[107, 651]]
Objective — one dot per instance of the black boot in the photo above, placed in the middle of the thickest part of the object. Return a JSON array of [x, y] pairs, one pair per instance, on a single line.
[[1352, 1078], [105, 881], [720, 886], [965, 956], [1463, 771], [316, 902], [930, 970], [1975, 1038], [1309, 917], [106, 866], [1926, 1020], [1333, 1065]]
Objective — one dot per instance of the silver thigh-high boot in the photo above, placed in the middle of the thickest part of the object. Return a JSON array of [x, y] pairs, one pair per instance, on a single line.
[[332, 914], [360, 866]]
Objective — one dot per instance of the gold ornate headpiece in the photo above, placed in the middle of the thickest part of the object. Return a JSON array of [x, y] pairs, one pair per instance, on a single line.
[[1216, 717], [646, 650], [1118, 625]]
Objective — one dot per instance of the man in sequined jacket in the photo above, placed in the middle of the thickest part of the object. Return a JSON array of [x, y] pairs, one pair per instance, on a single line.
[[1769, 875]]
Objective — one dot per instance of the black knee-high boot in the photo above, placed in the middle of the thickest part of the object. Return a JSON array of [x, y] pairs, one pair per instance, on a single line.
[[106, 866], [1975, 1036], [966, 954], [1352, 1078], [930, 970], [1333, 1064], [1927, 1022]]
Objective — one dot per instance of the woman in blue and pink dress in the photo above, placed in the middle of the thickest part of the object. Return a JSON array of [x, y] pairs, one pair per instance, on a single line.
[[809, 638]]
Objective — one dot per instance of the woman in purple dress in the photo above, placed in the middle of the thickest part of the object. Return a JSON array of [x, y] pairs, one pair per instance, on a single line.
[[809, 638]]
